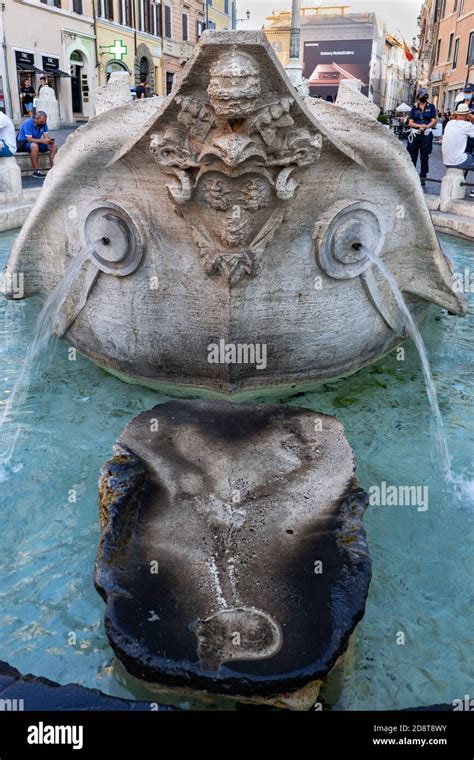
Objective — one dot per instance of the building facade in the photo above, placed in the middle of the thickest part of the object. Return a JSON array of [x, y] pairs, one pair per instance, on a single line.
[[221, 15], [335, 44], [79, 43], [129, 39], [447, 49], [399, 74], [183, 24], [53, 38]]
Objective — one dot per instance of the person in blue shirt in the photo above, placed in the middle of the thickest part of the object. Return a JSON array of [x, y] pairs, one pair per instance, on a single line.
[[34, 139], [422, 120]]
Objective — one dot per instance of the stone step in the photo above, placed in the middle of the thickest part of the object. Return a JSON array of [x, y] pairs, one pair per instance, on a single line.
[[24, 162]]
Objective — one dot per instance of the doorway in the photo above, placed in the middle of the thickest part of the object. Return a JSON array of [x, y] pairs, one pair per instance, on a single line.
[[77, 64]]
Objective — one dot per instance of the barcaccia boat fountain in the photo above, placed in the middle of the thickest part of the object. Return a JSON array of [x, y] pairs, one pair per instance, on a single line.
[[232, 233]]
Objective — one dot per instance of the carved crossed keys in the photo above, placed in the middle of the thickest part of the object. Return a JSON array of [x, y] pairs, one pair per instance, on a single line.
[[231, 159]]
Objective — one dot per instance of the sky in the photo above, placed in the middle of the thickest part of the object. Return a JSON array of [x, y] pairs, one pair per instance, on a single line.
[[398, 14]]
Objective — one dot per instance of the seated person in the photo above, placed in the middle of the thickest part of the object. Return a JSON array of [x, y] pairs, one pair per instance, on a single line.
[[7, 136], [456, 138], [456, 135], [34, 139]]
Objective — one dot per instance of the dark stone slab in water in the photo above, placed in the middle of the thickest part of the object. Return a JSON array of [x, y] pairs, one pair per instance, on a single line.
[[37, 694], [233, 557]]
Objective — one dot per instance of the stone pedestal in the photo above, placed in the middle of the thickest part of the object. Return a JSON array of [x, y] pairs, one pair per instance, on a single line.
[[451, 189], [115, 93], [10, 181], [233, 558], [46, 101], [294, 71]]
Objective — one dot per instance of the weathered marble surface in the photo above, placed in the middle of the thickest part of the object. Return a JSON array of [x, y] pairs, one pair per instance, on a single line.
[[214, 519], [236, 211], [10, 181], [116, 92]]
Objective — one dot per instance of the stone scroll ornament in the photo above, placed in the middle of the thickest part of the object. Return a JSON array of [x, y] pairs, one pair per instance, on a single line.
[[344, 235], [237, 161]]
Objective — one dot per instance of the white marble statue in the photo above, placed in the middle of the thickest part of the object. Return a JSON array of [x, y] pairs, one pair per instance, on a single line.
[[46, 101]]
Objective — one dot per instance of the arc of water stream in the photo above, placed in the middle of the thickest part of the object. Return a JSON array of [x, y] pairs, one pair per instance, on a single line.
[[44, 329], [415, 335]]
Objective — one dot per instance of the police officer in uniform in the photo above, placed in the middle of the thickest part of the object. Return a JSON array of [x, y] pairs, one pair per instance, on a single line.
[[421, 121]]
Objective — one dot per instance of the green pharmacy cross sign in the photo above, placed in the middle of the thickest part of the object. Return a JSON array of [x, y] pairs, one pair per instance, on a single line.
[[118, 49]]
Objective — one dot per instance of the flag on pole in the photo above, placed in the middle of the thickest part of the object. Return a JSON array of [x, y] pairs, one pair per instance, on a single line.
[[408, 54]]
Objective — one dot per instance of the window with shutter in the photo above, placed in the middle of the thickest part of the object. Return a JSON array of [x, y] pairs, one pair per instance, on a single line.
[[157, 12], [148, 27], [184, 17], [77, 6], [168, 21]]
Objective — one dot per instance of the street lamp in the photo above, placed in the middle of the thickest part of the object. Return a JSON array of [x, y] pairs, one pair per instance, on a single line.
[[293, 68], [247, 18], [295, 31]]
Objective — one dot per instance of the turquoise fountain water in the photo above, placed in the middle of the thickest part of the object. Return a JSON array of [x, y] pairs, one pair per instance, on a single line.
[[43, 332], [51, 616]]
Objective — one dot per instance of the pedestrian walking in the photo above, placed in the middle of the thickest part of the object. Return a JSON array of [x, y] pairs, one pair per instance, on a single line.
[[141, 90], [421, 121]]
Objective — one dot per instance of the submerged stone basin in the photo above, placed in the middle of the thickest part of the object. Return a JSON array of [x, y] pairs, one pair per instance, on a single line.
[[233, 558]]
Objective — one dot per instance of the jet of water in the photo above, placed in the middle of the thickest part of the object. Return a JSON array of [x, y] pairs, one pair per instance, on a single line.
[[413, 331], [44, 329]]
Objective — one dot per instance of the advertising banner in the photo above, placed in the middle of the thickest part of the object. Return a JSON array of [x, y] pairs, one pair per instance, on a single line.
[[328, 61]]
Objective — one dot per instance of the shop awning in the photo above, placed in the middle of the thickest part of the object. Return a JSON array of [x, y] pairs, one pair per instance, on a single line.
[[28, 67], [57, 73]]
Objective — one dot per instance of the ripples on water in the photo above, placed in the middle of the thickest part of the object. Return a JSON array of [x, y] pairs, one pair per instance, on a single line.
[[422, 561]]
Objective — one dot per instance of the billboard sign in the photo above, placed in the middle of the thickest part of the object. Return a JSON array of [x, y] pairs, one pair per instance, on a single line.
[[328, 61]]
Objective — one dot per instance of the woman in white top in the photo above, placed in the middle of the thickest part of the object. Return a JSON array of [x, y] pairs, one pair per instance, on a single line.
[[7, 136]]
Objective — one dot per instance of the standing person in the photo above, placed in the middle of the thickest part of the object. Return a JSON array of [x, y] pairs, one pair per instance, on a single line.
[[141, 90], [43, 83], [34, 139], [421, 121], [7, 136], [27, 93]]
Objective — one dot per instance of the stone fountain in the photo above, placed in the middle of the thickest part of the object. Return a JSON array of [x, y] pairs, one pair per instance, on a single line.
[[232, 230]]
